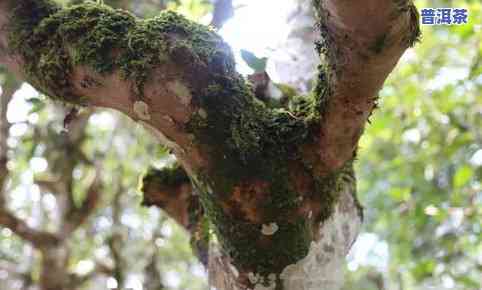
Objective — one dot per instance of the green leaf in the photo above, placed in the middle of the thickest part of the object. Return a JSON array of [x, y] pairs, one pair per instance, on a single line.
[[423, 269], [400, 194], [468, 282], [462, 176], [254, 62]]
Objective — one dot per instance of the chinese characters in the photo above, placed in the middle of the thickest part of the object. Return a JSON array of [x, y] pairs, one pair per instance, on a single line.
[[444, 16]]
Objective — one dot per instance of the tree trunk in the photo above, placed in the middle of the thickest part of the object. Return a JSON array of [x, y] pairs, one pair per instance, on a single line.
[[54, 274], [276, 184]]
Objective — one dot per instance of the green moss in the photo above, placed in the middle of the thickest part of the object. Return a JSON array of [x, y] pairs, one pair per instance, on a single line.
[[254, 142], [251, 141], [245, 129], [243, 240], [283, 197], [52, 41], [328, 188], [347, 178], [170, 176], [247, 246]]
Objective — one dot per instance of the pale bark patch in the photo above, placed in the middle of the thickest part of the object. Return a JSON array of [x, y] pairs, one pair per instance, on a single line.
[[142, 110], [322, 268], [181, 91], [269, 229], [234, 270], [202, 113]]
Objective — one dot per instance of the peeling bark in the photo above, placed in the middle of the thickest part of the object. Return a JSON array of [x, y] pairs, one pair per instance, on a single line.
[[276, 184]]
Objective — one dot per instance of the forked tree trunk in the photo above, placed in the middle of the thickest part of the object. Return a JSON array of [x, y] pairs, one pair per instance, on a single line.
[[275, 184]]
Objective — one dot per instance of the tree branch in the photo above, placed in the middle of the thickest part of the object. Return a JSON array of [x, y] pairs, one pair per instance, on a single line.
[[363, 42], [76, 281], [76, 216], [38, 239]]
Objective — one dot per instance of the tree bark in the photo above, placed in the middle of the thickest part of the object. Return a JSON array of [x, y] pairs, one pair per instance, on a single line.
[[276, 184], [54, 274]]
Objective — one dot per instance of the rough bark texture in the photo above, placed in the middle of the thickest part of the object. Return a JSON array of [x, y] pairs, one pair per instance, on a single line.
[[276, 184]]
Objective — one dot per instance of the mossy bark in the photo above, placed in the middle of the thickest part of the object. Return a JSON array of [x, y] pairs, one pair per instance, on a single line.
[[267, 178]]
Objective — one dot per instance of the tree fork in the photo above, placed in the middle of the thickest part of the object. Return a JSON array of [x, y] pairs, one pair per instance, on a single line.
[[277, 184]]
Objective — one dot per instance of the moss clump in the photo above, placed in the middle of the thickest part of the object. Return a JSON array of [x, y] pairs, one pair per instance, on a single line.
[[329, 187], [168, 177], [254, 141], [245, 129], [243, 240], [52, 41], [251, 141], [250, 249]]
